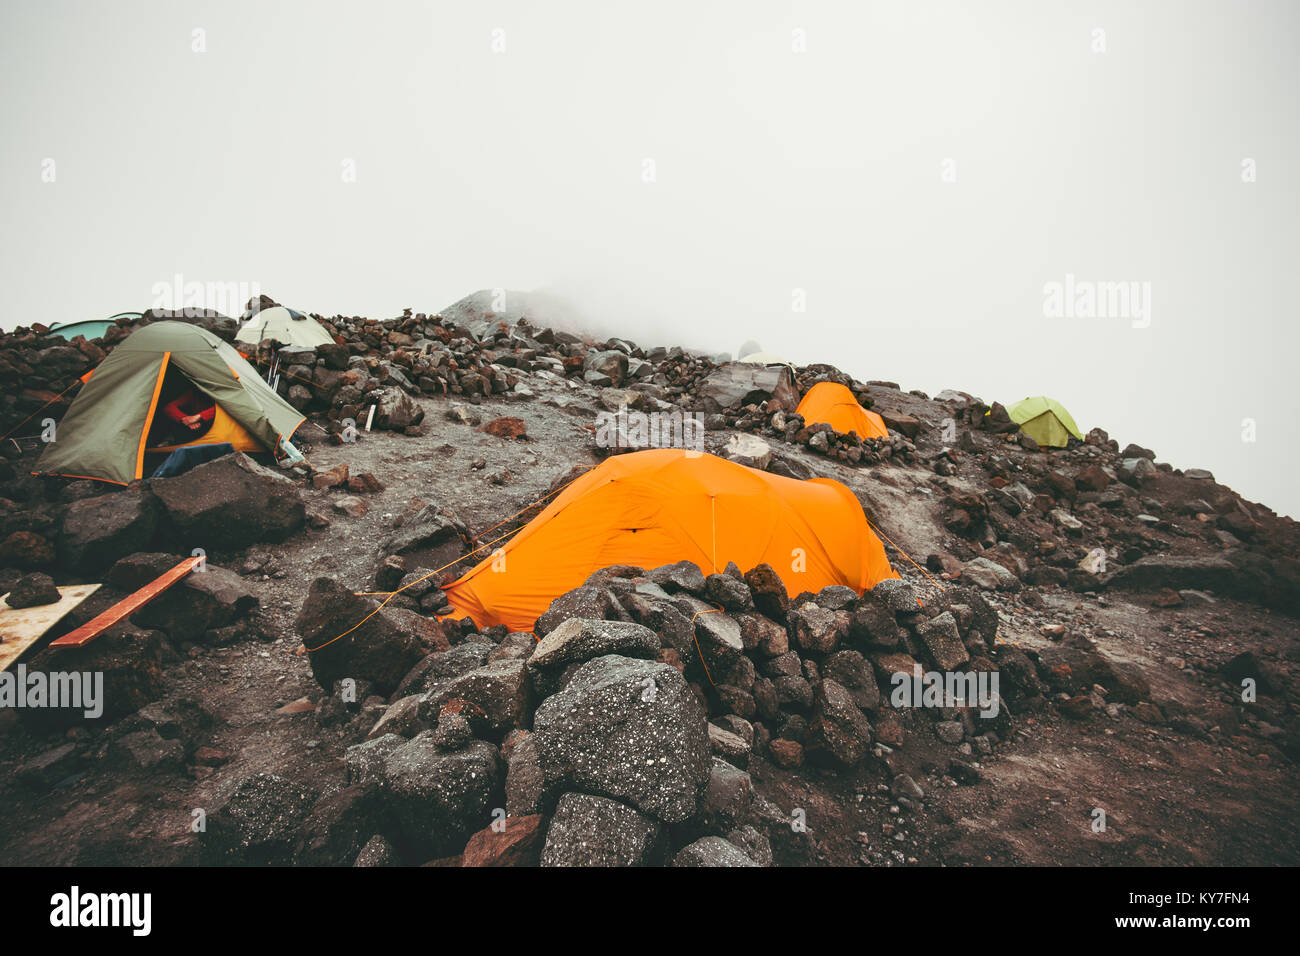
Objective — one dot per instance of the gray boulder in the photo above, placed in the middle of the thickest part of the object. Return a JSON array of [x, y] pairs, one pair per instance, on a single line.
[[436, 535], [382, 650], [594, 831], [740, 383], [732, 594], [1135, 471], [748, 450], [525, 782], [896, 594], [430, 799], [815, 629], [628, 729], [943, 641], [682, 576], [230, 503], [727, 796], [731, 747], [97, 531], [610, 367], [989, 575], [204, 601], [377, 852], [394, 408], [712, 851], [498, 695], [838, 728], [589, 602], [578, 640], [258, 825], [444, 664], [851, 671]]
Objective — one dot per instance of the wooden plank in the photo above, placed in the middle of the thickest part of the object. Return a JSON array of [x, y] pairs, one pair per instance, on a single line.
[[126, 607], [21, 627]]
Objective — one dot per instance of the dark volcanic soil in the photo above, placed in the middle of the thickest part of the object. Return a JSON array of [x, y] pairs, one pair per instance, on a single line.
[[1182, 792]]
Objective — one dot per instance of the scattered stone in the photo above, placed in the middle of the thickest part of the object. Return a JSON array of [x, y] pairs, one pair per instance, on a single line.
[[748, 450], [949, 731], [838, 728], [515, 841], [377, 852], [351, 506], [943, 640], [507, 427], [990, 575], [33, 590], [589, 830], [786, 753], [712, 851], [333, 478]]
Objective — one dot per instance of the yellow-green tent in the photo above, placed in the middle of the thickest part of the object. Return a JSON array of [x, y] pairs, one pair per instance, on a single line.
[[1045, 420]]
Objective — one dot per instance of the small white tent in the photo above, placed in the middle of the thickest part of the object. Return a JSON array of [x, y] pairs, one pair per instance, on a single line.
[[284, 326], [765, 358]]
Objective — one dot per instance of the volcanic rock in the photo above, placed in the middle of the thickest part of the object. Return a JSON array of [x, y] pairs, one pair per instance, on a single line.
[[629, 729], [594, 831], [230, 503]]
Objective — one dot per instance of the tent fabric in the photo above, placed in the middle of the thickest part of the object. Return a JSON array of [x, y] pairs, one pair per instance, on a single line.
[[661, 506], [224, 430], [104, 434], [765, 358], [1045, 420], [834, 404], [285, 326], [90, 328]]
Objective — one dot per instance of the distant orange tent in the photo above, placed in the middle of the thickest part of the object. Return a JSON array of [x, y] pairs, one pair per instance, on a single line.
[[835, 405], [664, 505]]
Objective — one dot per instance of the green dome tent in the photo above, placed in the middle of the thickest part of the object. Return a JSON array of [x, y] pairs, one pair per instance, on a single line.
[[108, 429], [1045, 420]]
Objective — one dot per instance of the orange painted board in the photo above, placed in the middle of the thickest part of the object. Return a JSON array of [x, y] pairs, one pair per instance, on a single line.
[[126, 607]]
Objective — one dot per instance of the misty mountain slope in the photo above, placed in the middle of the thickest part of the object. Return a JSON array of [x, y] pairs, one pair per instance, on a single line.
[[1120, 682]]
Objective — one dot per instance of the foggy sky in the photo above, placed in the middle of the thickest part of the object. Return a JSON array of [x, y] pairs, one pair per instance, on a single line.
[[779, 176]]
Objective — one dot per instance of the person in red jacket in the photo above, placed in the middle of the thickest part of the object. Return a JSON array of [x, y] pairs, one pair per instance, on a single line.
[[191, 410]]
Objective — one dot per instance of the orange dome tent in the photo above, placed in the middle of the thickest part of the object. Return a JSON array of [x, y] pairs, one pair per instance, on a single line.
[[835, 405], [661, 506]]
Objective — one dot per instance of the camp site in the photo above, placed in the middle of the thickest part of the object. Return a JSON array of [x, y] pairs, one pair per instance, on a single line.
[[527, 435], [419, 556]]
